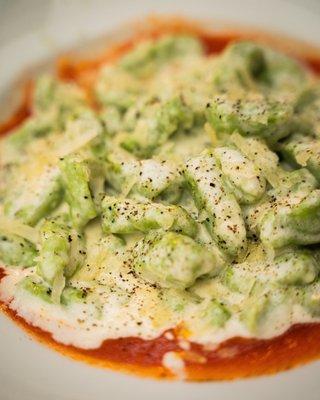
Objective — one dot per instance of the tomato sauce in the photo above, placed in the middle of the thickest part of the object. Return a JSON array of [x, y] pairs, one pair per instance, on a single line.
[[235, 358], [21, 113]]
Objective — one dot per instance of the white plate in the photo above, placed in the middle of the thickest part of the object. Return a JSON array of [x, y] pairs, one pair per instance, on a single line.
[[30, 32]]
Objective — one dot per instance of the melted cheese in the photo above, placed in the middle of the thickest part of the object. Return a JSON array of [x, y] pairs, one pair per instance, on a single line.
[[174, 362], [141, 315]]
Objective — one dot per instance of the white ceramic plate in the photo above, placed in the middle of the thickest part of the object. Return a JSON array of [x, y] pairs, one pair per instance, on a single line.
[[31, 31]]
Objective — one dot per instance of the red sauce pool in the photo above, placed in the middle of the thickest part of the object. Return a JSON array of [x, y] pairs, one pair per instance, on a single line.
[[21, 113], [235, 358]]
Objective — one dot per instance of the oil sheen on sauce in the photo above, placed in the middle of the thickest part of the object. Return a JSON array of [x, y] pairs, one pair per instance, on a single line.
[[167, 356]]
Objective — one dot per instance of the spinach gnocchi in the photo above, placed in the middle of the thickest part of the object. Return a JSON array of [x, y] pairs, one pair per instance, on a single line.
[[188, 195]]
